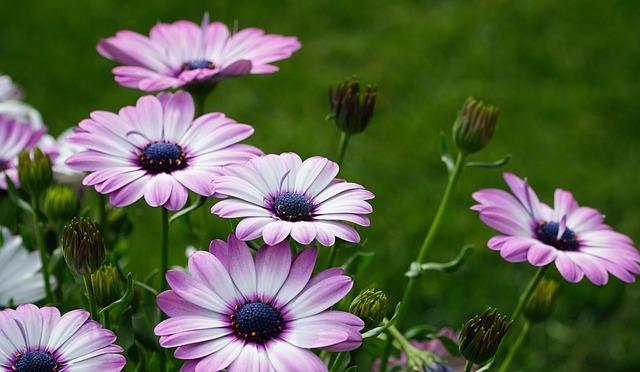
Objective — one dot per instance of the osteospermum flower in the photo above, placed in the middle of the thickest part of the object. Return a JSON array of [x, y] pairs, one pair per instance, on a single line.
[[157, 150], [573, 237], [20, 278], [280, 195], [183, 53], [16, 136], [232, 311], [11, 103], [40, 339]]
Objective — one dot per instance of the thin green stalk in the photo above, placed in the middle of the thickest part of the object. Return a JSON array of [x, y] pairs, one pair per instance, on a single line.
[[93, 307], [164, 267], [332, 256], [44, 256], [102, 216], [106, 321], [524, 297], [342, 147], [428, 240], [516, 346], [467, 366], [164, 247], [337, 362]]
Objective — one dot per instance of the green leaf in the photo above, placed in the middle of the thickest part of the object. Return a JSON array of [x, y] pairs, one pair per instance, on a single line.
[[358, 262], [445, 153], [451, 266], [487, 366], [420, 331], [489, 164], [374, 332], [125, 329], [185, 211], [415, 269], [124, 301], [16, 198], [57, 257]]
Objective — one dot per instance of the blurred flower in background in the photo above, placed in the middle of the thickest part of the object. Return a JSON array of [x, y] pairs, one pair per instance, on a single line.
[[183, 53], [17, 136], [11, 103], [20, 278]]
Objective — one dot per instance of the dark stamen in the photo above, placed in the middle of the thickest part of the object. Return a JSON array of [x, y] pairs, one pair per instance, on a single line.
[[162, 157], [257, 321], [292, 207], [547, 232]]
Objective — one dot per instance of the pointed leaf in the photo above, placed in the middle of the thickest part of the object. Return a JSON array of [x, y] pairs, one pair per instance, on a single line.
[[489, 164], [445, 153]]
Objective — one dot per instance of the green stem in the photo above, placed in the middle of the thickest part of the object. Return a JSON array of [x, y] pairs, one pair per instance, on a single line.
[[337, 363], [385, 353], [524, 297], [467, 366], [93, 308], [516, 346], [102, 216], [44, 256], [164, 247], [333, 251], [106, 322], [395, 332], [342, 147], [164, 267], [428, 240]]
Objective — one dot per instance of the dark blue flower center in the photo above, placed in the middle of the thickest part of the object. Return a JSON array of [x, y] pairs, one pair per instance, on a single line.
[[257, 321], [4, 165], [547, 232], [292, 207], [36, 361], [200, 63], [162, 157]]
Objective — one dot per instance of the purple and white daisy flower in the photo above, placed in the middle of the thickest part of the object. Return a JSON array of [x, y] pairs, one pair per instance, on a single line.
[[16, 136], [40, 339], [21, 281], [11, 103], [573, 237], [183, 53], [281, 195], [157, 150], [232, 311]]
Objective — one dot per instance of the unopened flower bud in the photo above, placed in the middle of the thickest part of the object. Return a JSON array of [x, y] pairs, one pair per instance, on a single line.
[[60, 203], [482, 334], [34, 171], [474, 126], [83, 246], [107, 285], [542, 301], [370, 306], [352, 109]]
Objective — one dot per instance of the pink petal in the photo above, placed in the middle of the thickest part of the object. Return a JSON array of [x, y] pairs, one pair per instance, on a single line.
[[319, 297], [272, 268], [299, 276]]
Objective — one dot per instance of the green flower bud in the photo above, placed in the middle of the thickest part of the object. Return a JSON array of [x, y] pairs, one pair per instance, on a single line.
[[542, 301], [60, 203], [482, 334], [34, 171], [107, 285], [474, 126], [351, 109], [371, 306], [83, 246]]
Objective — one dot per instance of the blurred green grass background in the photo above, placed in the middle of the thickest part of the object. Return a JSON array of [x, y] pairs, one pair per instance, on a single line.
[[566, 76]]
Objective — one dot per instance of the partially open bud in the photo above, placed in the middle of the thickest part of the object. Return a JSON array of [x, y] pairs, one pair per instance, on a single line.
[[60, 203], [542, 302], [474, 126], [482, 334], [83, 246], [351, 109], [34, 171], [107, 285], [370, 306]]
